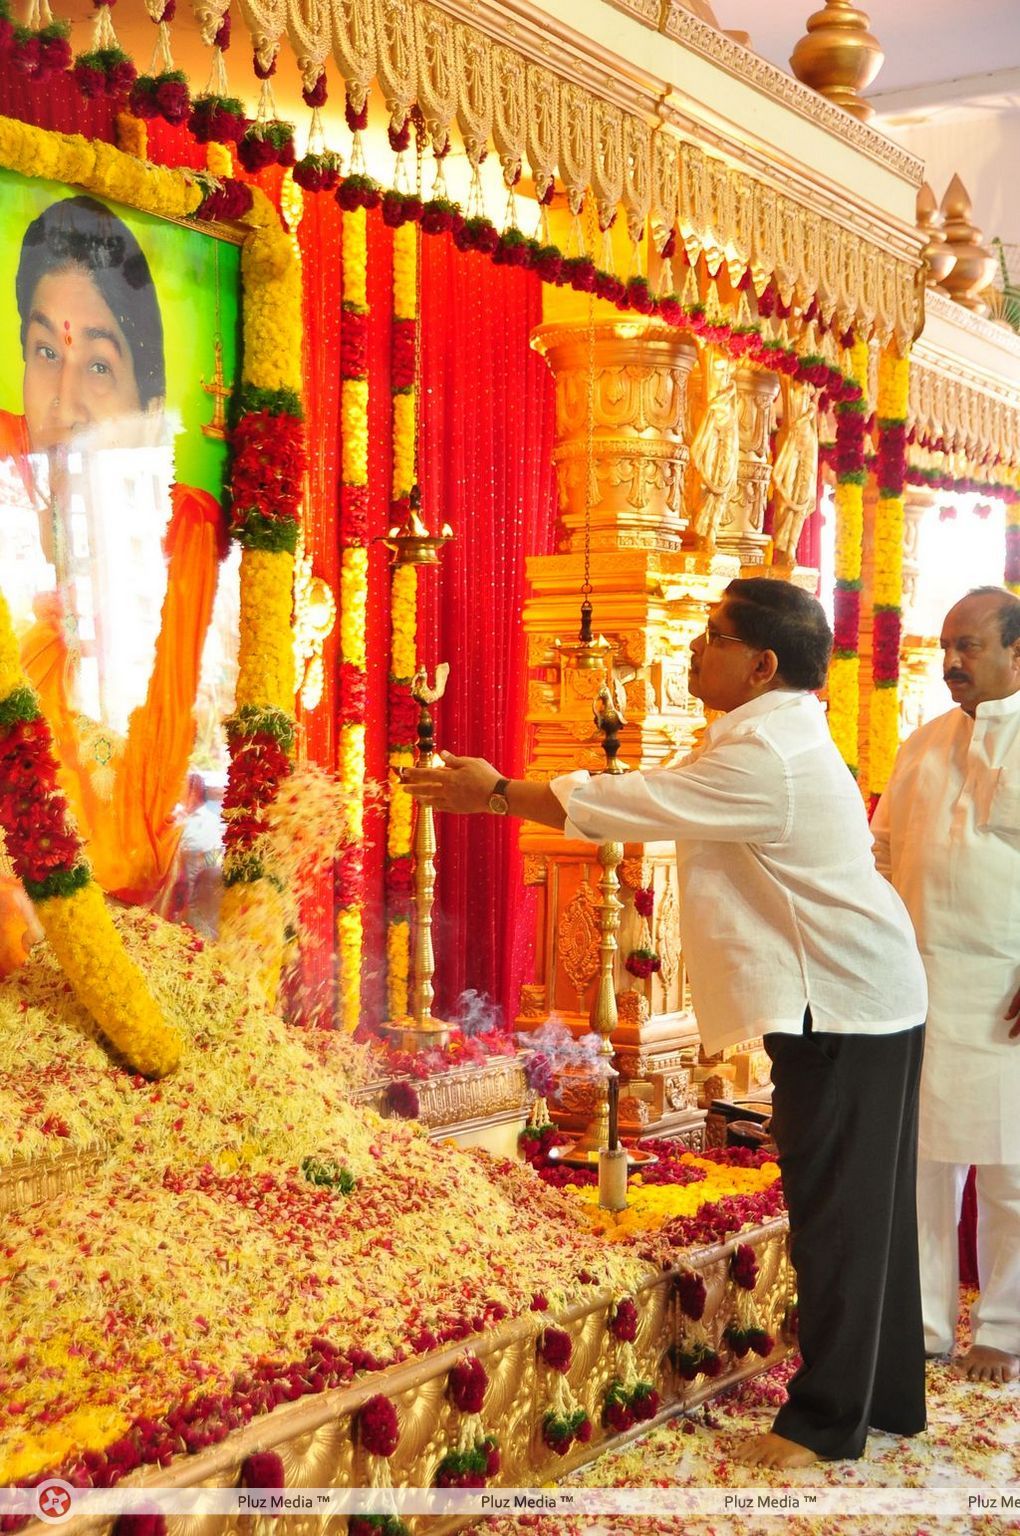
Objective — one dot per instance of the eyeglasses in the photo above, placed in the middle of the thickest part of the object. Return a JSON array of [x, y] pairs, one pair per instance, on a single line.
[[713, 636]]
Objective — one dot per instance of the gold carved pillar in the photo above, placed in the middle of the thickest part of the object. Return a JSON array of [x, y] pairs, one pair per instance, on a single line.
[[651, 598], [742, 530]]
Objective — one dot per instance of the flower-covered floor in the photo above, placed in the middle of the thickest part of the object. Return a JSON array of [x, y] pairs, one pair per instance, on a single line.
[[972, 1442]]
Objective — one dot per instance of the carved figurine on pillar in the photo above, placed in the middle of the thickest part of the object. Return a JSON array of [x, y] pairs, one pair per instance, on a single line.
[[715, 451], [794, 473]]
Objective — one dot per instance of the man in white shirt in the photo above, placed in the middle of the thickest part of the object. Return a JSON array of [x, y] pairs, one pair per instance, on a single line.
[[947, 833], [788, 931]]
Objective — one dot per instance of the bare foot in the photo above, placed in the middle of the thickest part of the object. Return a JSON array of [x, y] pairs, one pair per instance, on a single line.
[[983, 1364], [774, 1451]]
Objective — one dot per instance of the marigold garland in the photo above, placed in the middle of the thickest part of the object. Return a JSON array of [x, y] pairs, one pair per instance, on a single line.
[[49, 858], [884, 725], [844, 670], [401, 717], [349, 885], [265, 490]]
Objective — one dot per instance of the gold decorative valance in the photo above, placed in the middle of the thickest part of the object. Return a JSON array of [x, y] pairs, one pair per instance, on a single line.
[[971, 422], [496, 95]]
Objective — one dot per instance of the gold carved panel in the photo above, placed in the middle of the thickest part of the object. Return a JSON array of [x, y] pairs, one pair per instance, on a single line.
[[578, 933]]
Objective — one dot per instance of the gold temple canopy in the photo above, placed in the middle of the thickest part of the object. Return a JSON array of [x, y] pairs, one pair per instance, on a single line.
[[601, 112]]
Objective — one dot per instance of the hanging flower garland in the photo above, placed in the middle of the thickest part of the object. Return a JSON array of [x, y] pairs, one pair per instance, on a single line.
[[350, 883], [642, 961], [163, 92], [693, 1354], [564, 1420], [884, 727], [105, 70], [402, 712], [475, 1457], [745, 1331], [41, 49], [844, 670], [741, 334], [49, 859], [628, 1400], [267, 473]]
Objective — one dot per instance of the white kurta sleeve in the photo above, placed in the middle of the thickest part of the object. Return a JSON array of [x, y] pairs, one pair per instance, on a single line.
[[736, 792]]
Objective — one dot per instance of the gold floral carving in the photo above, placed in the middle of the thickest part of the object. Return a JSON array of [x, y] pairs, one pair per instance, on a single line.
[[475, 96], [578, 938], [396, 57], [536, 869], [637, 174], [543, 124], [607, 159], [632, 1008], [665, 185], [667, 933], [676, 1089], [352, 29], [576, 150], [509, 110], [635, 873], [436, 41], [534, 1003]]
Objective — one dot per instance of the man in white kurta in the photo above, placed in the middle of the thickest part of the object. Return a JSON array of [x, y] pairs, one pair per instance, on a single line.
[[788, 931], [947, 833]]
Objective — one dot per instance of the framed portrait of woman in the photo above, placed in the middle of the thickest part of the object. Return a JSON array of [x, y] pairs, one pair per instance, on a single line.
[[121, 333]]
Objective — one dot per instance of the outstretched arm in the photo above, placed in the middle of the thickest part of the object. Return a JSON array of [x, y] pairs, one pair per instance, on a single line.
[[464, 785]]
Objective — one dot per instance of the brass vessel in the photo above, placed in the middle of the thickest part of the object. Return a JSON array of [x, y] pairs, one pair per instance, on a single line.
[[975, 266], [838, 57]]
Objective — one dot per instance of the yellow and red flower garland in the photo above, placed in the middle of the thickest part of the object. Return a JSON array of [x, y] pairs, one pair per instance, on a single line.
[[401, 712], [350, 885], [844, 669], [887, 598], [267, 474]]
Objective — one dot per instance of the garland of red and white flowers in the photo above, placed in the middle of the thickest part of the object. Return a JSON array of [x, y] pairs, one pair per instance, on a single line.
[[564, 1420], [401, 711], [628, 1399], [844, 669], [887, 593], [353, 690], [474, 1457], [438, 215]]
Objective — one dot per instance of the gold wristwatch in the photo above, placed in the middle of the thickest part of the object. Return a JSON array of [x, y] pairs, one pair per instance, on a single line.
[[498, 803]]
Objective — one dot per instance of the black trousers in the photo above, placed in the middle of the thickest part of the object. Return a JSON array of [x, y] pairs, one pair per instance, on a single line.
[[844, 1119]]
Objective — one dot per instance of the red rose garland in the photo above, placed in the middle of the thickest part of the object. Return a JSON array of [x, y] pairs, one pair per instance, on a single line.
[[744, 1331], [627, 1400], [476, 1456], [564, 1420]]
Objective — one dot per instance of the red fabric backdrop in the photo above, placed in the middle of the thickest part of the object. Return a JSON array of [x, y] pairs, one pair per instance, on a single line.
[[486, 468]]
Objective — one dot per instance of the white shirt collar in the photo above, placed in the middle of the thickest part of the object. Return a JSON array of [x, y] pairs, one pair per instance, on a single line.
[[764, 704], [992, 708]]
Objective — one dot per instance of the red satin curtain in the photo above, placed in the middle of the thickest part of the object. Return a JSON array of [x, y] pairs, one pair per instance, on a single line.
[[486, 468]]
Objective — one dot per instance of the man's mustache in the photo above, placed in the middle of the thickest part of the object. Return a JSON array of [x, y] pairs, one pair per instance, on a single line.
[[955, 677]]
